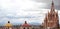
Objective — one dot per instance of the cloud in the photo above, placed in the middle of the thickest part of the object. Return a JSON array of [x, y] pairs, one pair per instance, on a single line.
[[56, 3], [18, 11]]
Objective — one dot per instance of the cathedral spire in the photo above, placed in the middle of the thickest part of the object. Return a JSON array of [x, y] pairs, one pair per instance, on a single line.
[[52, 6]]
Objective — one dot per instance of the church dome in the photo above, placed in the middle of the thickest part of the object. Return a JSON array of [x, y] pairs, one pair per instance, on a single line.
[[8, 24], [25, 24]]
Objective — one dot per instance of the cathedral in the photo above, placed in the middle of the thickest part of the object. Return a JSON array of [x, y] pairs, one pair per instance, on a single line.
[[51, 20]]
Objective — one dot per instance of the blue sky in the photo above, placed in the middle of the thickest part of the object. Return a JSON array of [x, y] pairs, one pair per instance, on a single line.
[[18, 11]]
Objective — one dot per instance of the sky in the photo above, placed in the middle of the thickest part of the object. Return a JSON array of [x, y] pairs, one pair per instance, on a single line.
[[32, 11]]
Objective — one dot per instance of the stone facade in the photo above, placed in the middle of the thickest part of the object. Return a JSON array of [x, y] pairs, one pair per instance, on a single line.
[[51, 20]]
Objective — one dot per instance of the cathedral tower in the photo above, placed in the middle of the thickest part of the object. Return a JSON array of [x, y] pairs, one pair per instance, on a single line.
[[51, 20]]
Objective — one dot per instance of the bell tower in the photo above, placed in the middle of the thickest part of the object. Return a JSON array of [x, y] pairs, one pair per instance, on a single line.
[[51, 20]]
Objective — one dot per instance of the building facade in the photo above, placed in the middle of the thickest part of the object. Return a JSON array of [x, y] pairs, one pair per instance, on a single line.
[[51, 20]]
